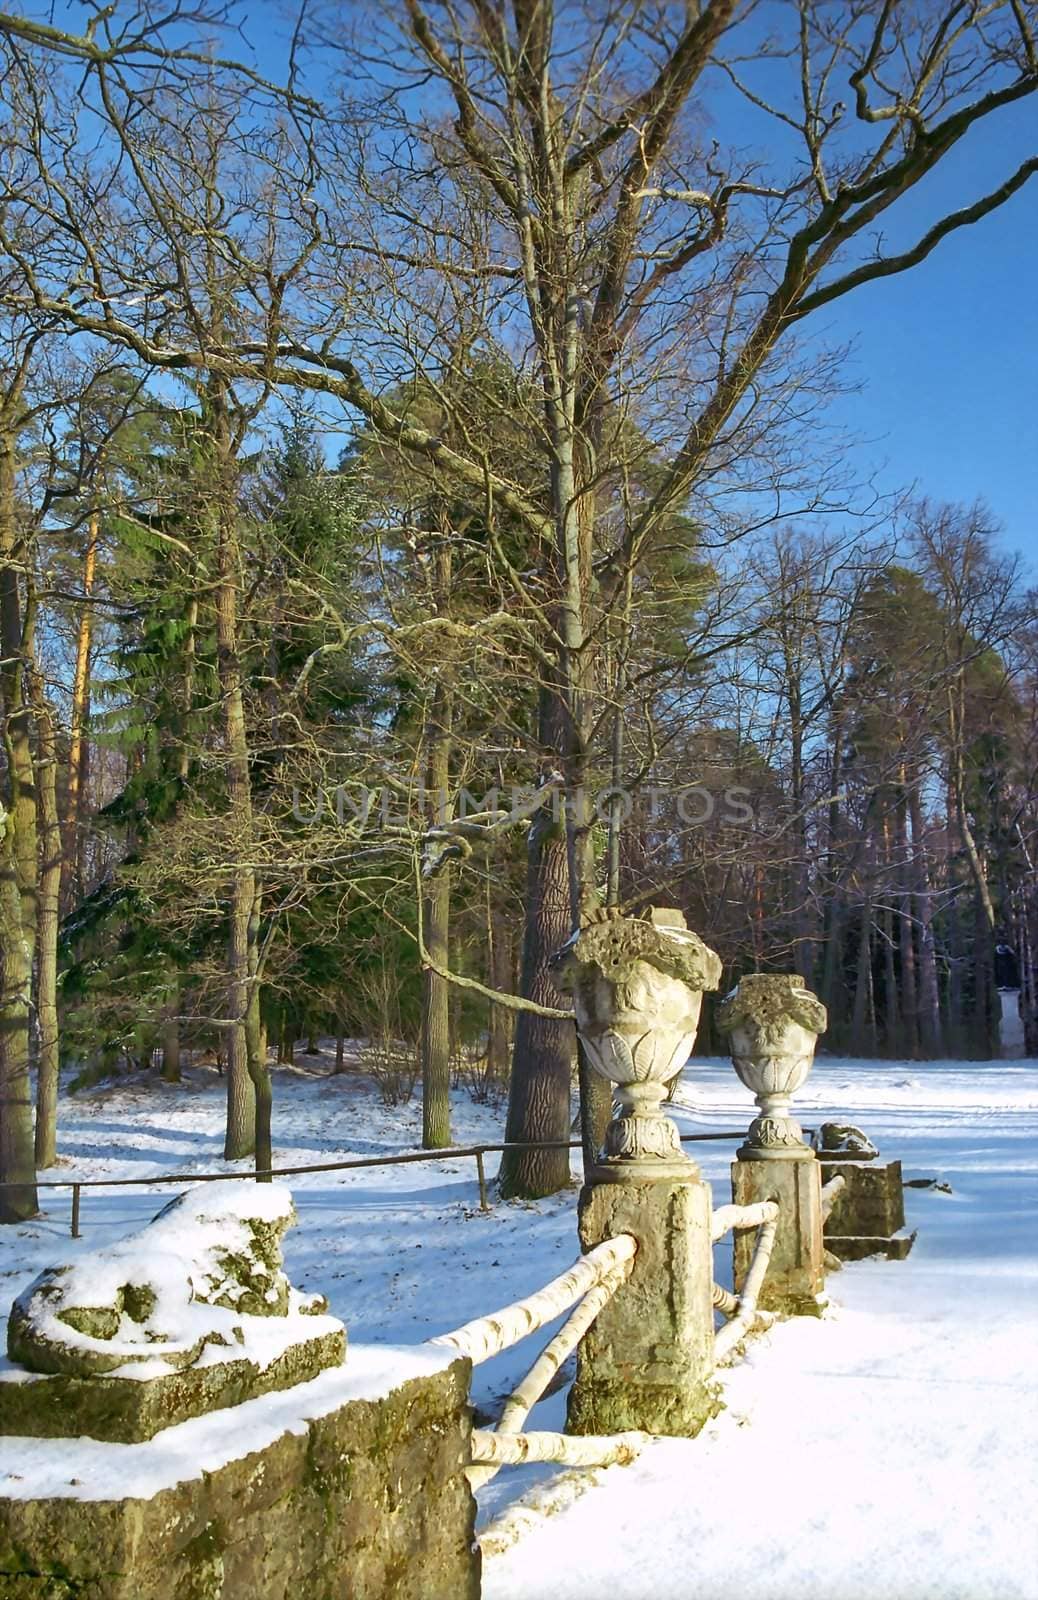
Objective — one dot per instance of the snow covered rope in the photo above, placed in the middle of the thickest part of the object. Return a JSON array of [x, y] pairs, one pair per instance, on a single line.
[[829, 1192], [592, 1281], [742, 1309], [525, 1396], [572, 1450], [484, 1337], [725, 1218]]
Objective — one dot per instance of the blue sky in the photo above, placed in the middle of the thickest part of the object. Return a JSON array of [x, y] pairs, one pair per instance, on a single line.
[[945, 356], [947, 353]]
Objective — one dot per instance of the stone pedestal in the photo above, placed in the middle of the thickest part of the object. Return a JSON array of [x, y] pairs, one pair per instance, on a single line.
[[648, 1359], [868, 1215], [177, 1423], [350, 1485], [795, 1279]]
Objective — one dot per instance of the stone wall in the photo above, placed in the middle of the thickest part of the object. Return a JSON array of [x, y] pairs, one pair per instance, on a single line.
[[356, 1498]]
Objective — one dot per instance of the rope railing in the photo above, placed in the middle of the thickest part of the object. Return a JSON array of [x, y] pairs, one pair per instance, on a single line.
[[589, 1284], [830, 1191], [742, 1309]]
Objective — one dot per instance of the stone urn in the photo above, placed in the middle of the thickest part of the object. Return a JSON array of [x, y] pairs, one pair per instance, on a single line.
[[772, 1022], [637, 987]]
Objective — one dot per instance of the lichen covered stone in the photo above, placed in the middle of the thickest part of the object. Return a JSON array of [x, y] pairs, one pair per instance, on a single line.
[[191, 1313], [367, 1500], [766, 1002], [615, 946]]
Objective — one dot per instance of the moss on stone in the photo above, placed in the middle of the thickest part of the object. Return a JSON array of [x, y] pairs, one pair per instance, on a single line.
[[127, 1410], [370, 1502]]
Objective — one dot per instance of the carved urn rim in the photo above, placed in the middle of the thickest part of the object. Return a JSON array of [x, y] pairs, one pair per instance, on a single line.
[[766, 1002], [616, 944]]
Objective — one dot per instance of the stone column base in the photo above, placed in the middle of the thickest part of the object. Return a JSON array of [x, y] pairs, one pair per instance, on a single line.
[[868, 1215], [647, 1360], [795, 1279], [350, 1485]]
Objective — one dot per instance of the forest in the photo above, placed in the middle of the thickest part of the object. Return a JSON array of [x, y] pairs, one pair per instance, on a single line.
[[422, 529]]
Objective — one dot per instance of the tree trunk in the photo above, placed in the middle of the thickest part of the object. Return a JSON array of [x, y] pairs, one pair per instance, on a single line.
[[340, 1050], [499, 1033], [929, 993], [72, 877], [833, 911], [18, 859], [1028, 971], [956, 1030], [863, 1003], [171, 1044], [256, 1056], [436, 1052], [893, 1041], [986, 1005], [240, 1139], [47, 918], [436, 1042], [542, 1058], [906, 931]]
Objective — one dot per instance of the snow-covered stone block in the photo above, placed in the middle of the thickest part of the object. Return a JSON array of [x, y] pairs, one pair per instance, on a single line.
[[192, 1314], [352, 1484]]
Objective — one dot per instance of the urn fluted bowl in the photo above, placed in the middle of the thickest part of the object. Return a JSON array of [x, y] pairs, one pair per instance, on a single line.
[[640, 1030], [772, 1062], [772, 1021], [637, 987]]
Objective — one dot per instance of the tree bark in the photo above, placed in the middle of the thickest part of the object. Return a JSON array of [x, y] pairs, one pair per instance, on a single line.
[[542, 1058], [72, 876], [47, 918], [906, 930], [986, 1006], [240, 1138], [892, 1036], [18, 858], [171, 1043], [863, 999], [436, 1041], [929, 993], [500, 974]]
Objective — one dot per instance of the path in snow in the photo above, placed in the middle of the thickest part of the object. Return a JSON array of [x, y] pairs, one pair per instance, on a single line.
[[885, 1453]]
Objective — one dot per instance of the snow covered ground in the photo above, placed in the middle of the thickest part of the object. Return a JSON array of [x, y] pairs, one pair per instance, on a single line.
[[885, 1452]]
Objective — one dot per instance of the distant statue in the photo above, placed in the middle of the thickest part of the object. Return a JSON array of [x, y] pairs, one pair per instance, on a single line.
[[1007, 968]]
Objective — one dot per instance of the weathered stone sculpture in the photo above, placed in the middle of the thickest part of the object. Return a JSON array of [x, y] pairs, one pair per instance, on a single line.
[[844, 1141], [868, 1215], [192, 1313], [772, 1022], [240, 1454], [647, 1361], [637, 989]]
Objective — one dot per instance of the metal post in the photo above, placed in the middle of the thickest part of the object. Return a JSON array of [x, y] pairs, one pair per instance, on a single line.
[[75, 1211], [484, 1203]]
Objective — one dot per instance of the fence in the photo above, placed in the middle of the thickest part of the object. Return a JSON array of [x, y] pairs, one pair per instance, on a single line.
[[591, 1281], [448, 1153], [589, 1284]]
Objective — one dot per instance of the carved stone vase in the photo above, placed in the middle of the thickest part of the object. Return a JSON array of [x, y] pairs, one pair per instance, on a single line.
[[772, 1022], [637, 987]]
